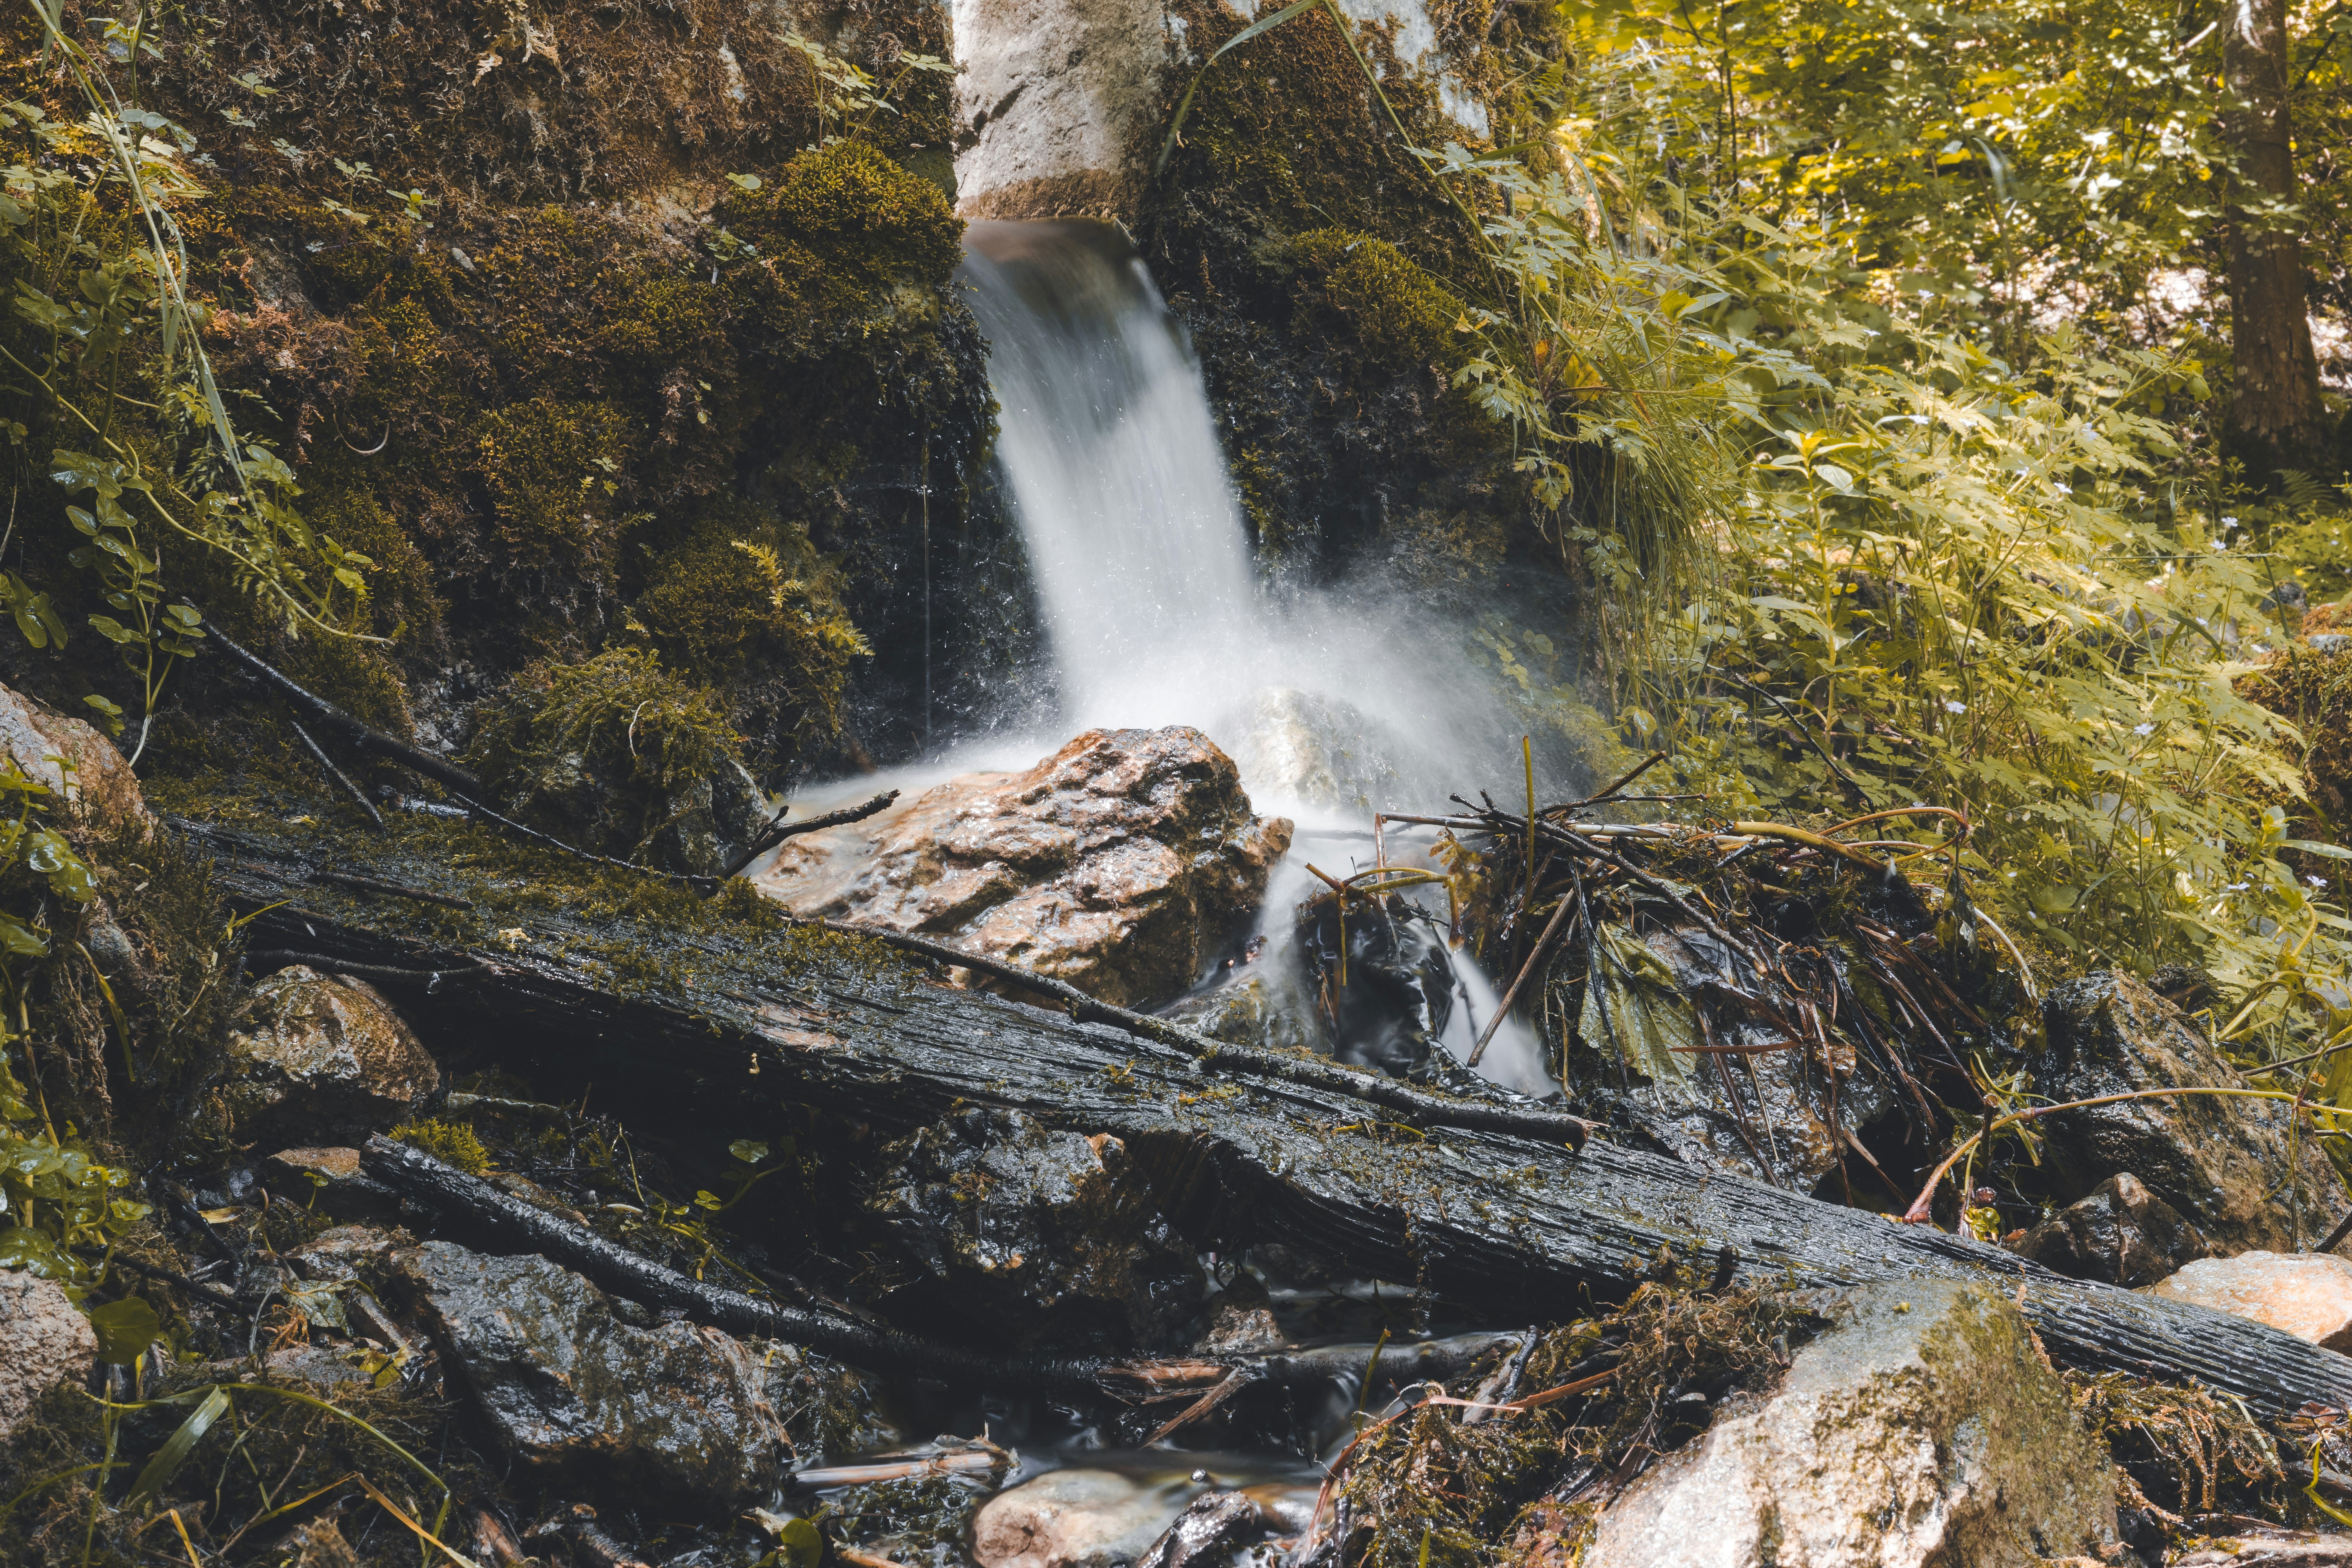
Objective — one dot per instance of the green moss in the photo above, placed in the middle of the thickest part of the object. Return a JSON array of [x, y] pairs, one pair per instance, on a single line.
[[549, 468], [725, 603], [656, 319], [1367, 291], [400, 597], [610, 752], [836, 230], [452, 1143]]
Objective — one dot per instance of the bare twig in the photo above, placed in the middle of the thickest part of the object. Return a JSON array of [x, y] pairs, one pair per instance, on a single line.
[[1543, 944], [777, 831], [337, 774], [441, 770]]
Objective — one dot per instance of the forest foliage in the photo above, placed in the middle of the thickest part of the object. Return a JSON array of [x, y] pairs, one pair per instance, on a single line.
[[1866, 353]]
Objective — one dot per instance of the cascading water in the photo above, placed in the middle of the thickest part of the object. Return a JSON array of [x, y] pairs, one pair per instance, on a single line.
[[1332, 707]]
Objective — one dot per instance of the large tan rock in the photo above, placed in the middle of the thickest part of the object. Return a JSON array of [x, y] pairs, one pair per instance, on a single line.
[[73, 761], [1121, 864], [43, 1341], [2308, 1295], [323, 1058], [1055, 104], [1923, 1429]]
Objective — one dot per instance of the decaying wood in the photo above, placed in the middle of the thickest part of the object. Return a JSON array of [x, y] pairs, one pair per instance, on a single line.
[[1517, 1226]]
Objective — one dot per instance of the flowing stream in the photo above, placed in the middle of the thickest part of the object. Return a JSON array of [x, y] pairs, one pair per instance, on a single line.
[[1334, 705]]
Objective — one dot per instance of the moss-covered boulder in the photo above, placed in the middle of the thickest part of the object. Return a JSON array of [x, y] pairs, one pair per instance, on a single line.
[[621, 757]]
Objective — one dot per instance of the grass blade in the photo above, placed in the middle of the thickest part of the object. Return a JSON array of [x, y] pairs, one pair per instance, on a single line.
[[169, 1457]]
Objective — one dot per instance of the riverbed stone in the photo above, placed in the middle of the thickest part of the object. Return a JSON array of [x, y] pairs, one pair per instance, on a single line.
[[2229, 1165], [2308, 1295], [2121, 1234], [1054, 1237], [43, 1343], [1077, 1519], [1121, 864], [566, 1386], [1924, 1428], [324, 1057], [74, 762]]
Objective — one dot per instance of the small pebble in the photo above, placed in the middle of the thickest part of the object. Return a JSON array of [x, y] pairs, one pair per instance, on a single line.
[[1201, 1479]]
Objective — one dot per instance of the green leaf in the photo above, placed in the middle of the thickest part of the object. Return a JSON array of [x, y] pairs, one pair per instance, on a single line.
[[178, 1446], [113, 631], [751, 1151], [125, 1329], [2313, 846]]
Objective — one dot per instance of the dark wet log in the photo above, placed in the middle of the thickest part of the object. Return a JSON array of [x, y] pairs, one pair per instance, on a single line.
[[1516, 1228]]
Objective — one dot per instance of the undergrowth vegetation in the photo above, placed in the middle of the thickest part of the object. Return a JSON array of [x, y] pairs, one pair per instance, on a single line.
[[1893, 501]]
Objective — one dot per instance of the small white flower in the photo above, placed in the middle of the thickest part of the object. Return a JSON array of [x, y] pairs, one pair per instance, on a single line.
[[2143, 729], [2315, 881], [2237, 886], [1951, 707]]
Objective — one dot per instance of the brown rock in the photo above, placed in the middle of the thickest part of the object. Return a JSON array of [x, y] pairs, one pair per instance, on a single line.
[[74, 761], [324, 1056], [2308, 1295], [2224, 1164], [1121, 864], [2121, 1234], [43, 1341]]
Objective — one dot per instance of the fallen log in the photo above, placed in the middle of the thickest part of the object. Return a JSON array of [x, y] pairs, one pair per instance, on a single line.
[[627, 987]]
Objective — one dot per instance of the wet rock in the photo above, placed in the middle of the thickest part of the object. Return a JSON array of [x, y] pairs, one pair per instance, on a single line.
[[1305, 747], [1075, 1518], [75, 762], [1251, 1010], [1923, 1427], [1204, 1534], [565, 1384], [1054, 1235], [320, 1544], [2269, 1549], [2308, 1295], [1239, 1320], [2225, 1165], [43, 1343], [2121, 1234], [361, 1252], [324, 1057], [1121, 864], [1387, 1005], [1765, 1115]]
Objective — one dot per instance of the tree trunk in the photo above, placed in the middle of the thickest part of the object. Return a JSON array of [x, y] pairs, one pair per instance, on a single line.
[[2276, 419], [716, 1028]]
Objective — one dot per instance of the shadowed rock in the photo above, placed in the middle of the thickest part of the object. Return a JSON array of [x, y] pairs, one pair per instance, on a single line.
[[2121, 1234], [2229, 1165], [43, 1341]]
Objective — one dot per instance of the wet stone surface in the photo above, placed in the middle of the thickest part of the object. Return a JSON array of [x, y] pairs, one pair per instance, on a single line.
[[566, 1384], [2229, 1165], [1042, 1236], [2121, 1234], [324, 1059]]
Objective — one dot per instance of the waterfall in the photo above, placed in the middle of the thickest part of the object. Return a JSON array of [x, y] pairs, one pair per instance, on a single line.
[[1135, 537], [1332, 706]]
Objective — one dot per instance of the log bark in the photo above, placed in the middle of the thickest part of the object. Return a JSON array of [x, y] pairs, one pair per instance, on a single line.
[[1516, 1228]]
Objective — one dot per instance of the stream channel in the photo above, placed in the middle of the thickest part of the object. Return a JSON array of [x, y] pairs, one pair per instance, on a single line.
[[1331, 702]]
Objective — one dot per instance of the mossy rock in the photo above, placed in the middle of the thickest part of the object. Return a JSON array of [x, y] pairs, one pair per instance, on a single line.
[[834, 232], [1367, 291], [549, 466], [621, 757]]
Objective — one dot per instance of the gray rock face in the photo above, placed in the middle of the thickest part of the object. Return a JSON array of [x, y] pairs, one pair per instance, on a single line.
[[1924, 1428], [2121, 1234], [1075, 1518], [2307, 1295], [2223, 1163], [324, 1059], [680, 1409], [1120, 864], [43, 1341], [1056, 1233], [1056, 104]]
